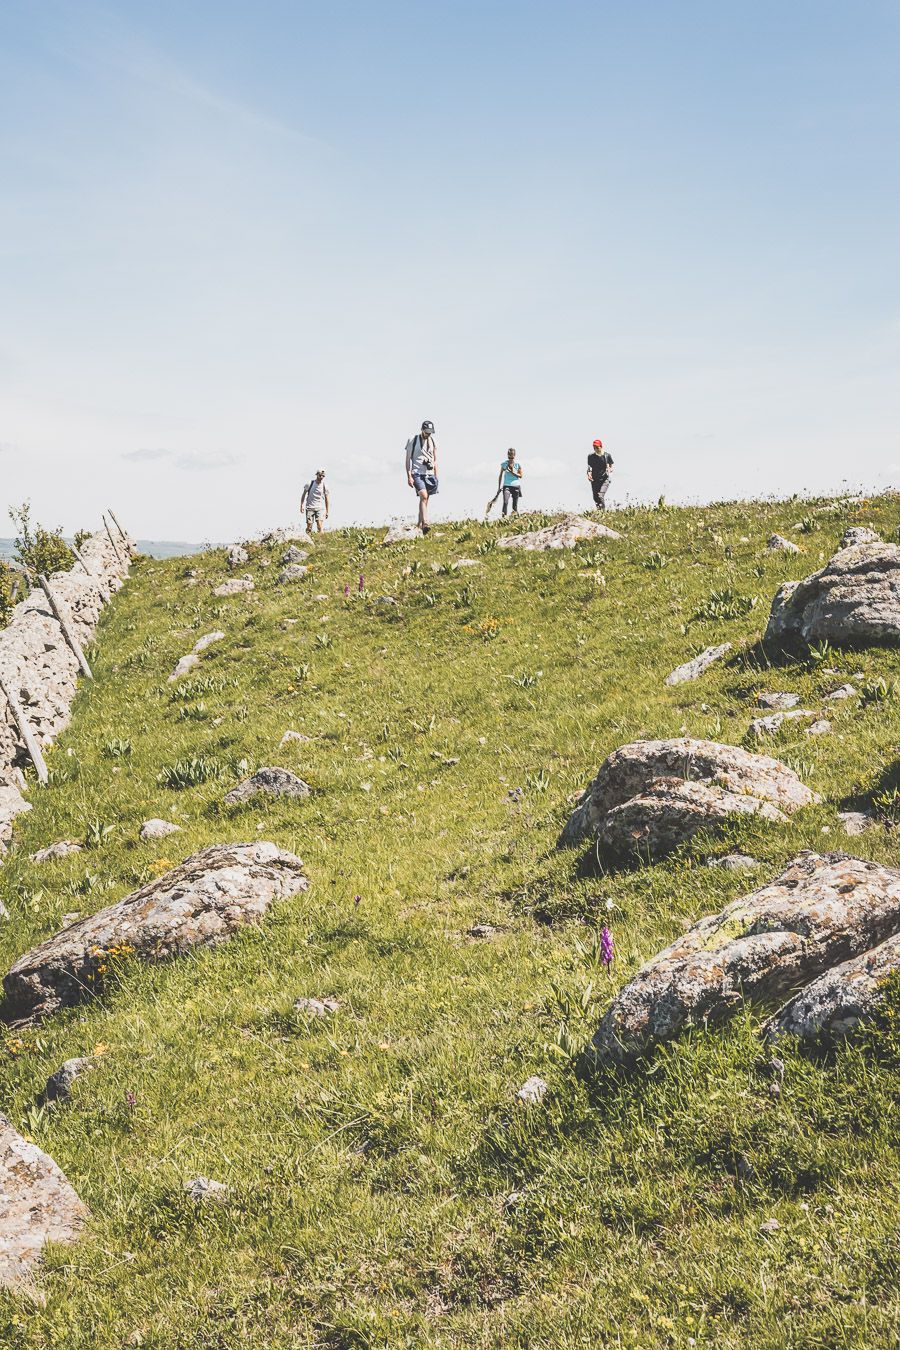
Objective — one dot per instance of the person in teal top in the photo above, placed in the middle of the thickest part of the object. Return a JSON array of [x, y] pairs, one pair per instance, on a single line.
[[510, 481]]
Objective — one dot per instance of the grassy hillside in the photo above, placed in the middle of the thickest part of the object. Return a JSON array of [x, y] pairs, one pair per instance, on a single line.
[[386, 1188]]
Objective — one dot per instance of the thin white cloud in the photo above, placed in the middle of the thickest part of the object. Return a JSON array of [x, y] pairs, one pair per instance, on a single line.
[[139, 456], [202, 462]]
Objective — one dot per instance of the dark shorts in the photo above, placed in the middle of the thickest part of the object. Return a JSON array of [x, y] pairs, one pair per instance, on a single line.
[[425, 482]]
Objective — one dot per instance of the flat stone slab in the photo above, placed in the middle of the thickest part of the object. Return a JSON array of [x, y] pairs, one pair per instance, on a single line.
[[694, 668], [272, 782], [778, 700], [37, 1206], [819, 912], [843, 691], [854, 598], [566, 533], [835, 1004], [61, 849], [233, 586], [651, 795], [201, 902]]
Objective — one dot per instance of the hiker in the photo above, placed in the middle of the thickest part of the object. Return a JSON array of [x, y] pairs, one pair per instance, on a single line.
[[510, 481], [315, 501], [599, 465], [421, 469]]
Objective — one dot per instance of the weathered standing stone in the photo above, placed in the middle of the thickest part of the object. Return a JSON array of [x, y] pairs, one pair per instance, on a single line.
[[650, 795], [157, 829], [199, 903], [854, 598], [61, 849], [836, 1003], [37, 1205], [819, 911], [402, 533], [293, 572], [58, 1087], [692, 669], [272, 782], [566, 533], [234, 586], [777, 543]]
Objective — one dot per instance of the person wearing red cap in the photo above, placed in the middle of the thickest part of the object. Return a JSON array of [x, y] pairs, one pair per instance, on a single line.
[[599, 467]]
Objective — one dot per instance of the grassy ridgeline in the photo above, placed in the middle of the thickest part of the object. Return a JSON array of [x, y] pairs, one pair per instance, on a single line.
[[386, 1187]]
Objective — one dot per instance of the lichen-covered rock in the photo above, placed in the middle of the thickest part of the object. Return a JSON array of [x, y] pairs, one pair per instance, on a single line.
[[566, 533], [832, 1006], [61, 849], [820, 727], [272, 782], [843, 691], [402, 533], [733, 862], [205, 1191], [651, 786], [694, 668], [856, 822], [777, 543], [821, 910], [233, 586], [37, 1206], [201, 902], [854, 598], [293, 572]]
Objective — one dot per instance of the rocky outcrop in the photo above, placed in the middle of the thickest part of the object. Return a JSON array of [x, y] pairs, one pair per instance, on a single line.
[[854, 598], [820, 911], [199, 903], [566, 533], [692, 669], [651, 795], [271, 782], [859, 534], [837, 1002], [37, 1206]]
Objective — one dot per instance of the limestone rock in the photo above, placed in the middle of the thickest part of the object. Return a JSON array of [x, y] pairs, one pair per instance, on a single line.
[[293, 572], [820, 727], [205, 1191], [829, 1008], [289, 536], [843, 691], [779, 701], [157, 829], [819, 911], [37, 1205], [316, 1007], [237, 555], [234, 586], [61, 849], [767, 726], [777, 543], [733, 862], [58, 1087], [184, 664], [854, 598], [566, 533], [12, 804], [207, 640], [293, 738], [856, 822], [402, 533], [201, 902], [294, 555], [272, 782], [692, 669], [859, 534], [532, 1091], [652, 794]]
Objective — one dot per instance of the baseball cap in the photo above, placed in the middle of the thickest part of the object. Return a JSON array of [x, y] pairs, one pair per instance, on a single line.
[[428, 426], [598, 445]]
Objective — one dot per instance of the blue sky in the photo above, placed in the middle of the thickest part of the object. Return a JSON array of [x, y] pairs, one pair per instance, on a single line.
[[241, 240]]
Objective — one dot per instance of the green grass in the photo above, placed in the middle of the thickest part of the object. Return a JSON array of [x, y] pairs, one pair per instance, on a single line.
[[386, 1188]]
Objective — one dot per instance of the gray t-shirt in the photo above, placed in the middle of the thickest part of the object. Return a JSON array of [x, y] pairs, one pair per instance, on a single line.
[[315, 495], [421, 455]]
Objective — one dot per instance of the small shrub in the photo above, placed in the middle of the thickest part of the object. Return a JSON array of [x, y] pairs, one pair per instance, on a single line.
[[487, 546], [203, 684], [187, 773], [655, 561], [8, 577], [193, 712], [117, 748], [821, 652], [806, 525], [878, 691], [887, 807], [466, 598], [37, 548], [96, 833], [725, 604]]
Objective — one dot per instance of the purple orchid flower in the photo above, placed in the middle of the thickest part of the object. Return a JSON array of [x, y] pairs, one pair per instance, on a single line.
[[607, 947]]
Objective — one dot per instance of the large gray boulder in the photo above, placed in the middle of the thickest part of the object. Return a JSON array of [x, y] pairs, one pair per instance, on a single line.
[[836, 1003], [566, 533], [820, 911], [37, 1205], [201, 902], [271, 783], [651, 795], [854, 598]]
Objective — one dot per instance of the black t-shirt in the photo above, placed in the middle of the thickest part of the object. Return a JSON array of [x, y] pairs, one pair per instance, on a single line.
[[599, 466]]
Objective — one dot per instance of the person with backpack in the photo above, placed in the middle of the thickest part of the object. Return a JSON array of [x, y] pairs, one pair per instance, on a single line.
[[315, 502], [422, 469], [510, 482], [600, 464]]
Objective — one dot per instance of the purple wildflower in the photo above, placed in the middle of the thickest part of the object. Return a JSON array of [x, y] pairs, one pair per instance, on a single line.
[[347, 588], [607, 947], [362, 583], [130, 1099], [356, 899]]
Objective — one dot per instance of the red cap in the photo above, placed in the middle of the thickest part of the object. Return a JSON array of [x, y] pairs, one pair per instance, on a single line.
[[598, 445]]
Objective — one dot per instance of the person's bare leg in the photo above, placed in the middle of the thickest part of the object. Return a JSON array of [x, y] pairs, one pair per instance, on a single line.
[[423, 509]]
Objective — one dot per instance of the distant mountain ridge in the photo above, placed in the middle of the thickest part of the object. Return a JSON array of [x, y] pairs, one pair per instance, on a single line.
[[156, 548]]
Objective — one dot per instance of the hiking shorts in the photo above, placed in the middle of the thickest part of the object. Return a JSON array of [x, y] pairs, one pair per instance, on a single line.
[[425, 482], [315, 515]]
